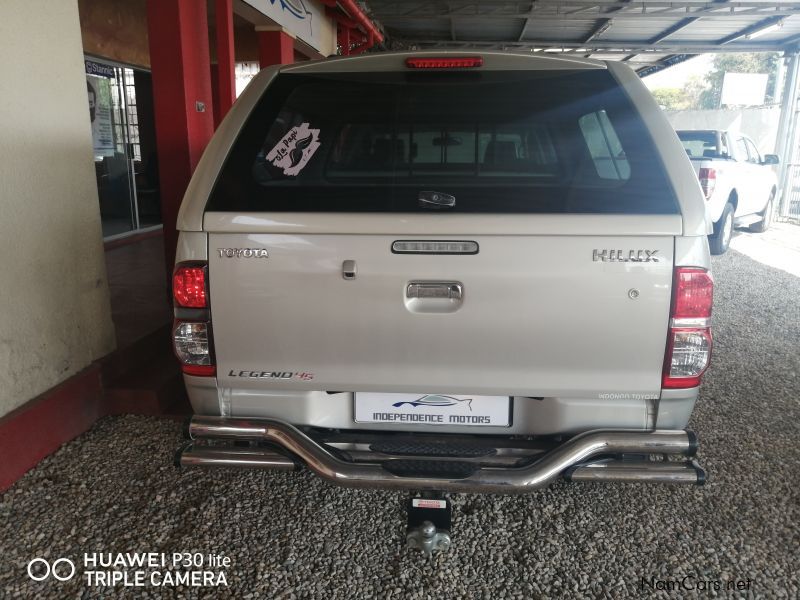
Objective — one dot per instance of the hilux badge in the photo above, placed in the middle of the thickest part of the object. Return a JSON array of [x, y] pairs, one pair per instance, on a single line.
[[624, 255]]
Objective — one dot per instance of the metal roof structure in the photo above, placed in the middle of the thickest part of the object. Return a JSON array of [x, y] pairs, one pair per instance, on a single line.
[[648, 34]]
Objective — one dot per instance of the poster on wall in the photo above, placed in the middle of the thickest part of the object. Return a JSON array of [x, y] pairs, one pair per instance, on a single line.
[[305, 19], [98, 90], [744, 89]]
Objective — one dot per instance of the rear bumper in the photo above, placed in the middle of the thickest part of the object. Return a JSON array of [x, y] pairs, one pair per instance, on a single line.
[[602, 455], [531, 416]]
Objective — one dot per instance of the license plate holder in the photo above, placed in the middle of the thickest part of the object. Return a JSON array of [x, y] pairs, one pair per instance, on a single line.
[[432, 409]]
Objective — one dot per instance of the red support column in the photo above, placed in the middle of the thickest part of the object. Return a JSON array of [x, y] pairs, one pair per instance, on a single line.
[[344, 39], [181, 70], [226, 90], [215, 94], [275, 47]]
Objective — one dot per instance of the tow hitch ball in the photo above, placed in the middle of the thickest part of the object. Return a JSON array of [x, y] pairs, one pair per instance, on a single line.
[[428, 527]]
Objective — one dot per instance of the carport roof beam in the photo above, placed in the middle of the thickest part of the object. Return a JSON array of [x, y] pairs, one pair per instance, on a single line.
[[605, 25], [656, 32], [604, 46], [672, 30], [663, 64], [581, 10], [752, 30]]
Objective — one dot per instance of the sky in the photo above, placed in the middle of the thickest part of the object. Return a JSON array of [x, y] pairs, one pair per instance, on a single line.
[[675, 77]]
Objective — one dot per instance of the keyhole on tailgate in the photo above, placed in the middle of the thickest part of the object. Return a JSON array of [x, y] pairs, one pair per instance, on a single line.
[[349, 269]]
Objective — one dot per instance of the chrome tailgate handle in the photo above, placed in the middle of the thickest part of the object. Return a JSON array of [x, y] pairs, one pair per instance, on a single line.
[[450, 290], [435, 200]]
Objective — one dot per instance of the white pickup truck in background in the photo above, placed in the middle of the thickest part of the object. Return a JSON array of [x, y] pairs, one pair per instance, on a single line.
[[738, 182]]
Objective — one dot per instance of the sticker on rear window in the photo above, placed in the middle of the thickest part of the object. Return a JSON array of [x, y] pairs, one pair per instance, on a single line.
[[295, 149]]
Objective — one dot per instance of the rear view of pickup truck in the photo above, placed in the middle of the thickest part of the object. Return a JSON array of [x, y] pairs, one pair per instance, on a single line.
[[738, 182], [439, 272]]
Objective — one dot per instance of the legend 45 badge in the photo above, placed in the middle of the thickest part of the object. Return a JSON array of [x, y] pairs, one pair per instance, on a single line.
[[295, 149]]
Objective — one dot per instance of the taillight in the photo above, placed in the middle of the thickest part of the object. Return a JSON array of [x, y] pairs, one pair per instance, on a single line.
[[708, 181], [192, 342], [693, 293], [189, 285], [191, 333], [444, 62], [689, 341]]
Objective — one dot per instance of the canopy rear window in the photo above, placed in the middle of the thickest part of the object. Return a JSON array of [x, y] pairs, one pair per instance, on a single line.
[[498, 142]]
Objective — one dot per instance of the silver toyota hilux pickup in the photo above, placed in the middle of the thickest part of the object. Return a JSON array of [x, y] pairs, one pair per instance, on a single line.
[[445, 272]]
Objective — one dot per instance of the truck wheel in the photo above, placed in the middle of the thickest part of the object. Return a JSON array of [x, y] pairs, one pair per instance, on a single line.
[[719, 241], [766, 216]]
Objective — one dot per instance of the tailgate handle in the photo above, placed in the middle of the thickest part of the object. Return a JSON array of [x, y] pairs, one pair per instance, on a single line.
[[450, 290], [435, 200]]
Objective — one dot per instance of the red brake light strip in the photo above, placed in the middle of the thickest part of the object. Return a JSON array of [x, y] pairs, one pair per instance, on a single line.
[[444, 62]]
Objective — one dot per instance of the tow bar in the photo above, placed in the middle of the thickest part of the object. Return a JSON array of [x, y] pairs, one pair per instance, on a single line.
[[429, 519]]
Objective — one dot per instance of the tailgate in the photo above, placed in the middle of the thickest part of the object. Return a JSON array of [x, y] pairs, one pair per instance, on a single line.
[[531, 313]]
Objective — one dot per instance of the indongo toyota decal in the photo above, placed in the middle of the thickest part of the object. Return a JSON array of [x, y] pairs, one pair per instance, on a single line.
[[295, 149]]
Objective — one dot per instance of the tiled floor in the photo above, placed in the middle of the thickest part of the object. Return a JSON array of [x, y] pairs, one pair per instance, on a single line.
[[138, 283]]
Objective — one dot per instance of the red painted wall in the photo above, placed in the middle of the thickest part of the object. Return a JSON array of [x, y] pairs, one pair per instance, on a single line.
[[38, 428]]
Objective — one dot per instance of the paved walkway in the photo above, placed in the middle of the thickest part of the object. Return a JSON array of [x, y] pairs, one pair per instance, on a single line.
[[777, 247]]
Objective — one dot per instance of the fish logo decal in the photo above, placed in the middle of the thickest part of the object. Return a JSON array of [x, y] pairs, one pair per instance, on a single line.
[[294, 7], [295, 149], [435, 400]]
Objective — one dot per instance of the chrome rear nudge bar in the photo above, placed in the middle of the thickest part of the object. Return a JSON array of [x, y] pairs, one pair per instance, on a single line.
[[572, 459], [252, 458], [638, 471]]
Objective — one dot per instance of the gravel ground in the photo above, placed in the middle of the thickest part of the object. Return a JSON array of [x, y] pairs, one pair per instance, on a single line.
[[294, 536]]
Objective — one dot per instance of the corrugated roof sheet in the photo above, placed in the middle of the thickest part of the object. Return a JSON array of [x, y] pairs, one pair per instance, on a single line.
[[643, 32]]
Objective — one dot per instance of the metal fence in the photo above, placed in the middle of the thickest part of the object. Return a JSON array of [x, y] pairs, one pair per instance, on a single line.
[[791, 197]]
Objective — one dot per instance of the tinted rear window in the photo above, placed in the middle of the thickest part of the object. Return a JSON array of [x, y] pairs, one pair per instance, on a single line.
[[499, 142], [701, 144]]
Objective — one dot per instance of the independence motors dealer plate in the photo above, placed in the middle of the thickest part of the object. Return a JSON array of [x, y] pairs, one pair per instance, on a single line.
[[433, 409]]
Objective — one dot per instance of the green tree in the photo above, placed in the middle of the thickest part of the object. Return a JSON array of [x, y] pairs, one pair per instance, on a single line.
[[684, 98], [693, 91], [669, 98], [753, 62]]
